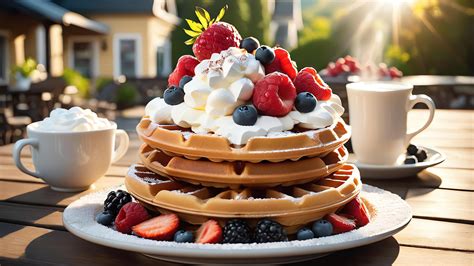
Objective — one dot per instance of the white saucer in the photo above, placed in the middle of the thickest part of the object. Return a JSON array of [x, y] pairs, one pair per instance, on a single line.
[[390, 215], [403, 170]]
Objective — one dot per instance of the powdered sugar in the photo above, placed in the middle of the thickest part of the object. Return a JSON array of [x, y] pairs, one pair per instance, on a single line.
[[391, 214]]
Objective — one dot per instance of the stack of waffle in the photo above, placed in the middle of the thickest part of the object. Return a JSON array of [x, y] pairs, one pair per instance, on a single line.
[[293, 179]]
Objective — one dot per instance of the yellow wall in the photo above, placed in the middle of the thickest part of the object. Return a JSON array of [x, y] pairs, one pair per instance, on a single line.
[[148, 27]]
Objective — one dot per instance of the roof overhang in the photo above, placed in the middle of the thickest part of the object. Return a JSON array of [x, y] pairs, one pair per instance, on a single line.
[[58, 14]]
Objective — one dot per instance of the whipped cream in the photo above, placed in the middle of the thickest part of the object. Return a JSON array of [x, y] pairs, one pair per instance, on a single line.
[[74, 120], [222, 83]]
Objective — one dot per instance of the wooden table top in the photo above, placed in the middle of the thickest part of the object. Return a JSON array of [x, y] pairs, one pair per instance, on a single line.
[[441, 232]]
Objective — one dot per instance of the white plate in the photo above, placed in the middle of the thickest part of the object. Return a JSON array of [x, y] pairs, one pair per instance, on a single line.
[[392, 214], [398, 171]]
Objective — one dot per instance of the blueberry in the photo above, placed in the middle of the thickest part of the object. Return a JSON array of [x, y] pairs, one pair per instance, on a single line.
[[421, 155], [105, 218], [182, 236], [322, 228], [185, 79], [250, 44], [412, 149], [305, 102], [304, 233], [245, 115], [410, 160], [173, 95], [265, 54]]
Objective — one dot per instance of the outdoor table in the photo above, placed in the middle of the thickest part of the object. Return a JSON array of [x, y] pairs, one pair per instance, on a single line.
[[441, 231]]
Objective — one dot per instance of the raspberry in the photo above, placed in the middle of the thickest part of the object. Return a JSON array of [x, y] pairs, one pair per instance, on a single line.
[[130, 215], [309, 80], [282, 63], [274, 95], [218, 37], [184, 67]]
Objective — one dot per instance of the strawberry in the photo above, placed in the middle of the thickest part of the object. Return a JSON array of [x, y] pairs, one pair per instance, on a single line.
[[340, 224], [129, 215], [309, 80], [282, 63], [161, 227], [395, 73], [356, 208], [211, 36], [209, 233], [274, 95], [331, 69], [352, 64], [184, 67]]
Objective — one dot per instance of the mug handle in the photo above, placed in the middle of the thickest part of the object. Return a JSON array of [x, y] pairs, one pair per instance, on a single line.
[[421, 98], [19, 145], [123, 142]]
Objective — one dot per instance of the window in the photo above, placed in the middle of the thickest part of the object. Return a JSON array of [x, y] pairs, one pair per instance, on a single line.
[[127, 55], [3, 58], [163, 59], [84, 55]]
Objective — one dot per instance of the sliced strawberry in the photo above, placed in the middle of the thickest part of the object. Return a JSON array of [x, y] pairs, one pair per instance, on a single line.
[[309, 80], [340, 224], [184, 67], [357, 209], [129, 215], [274, 95], [161, 227], [282, 63], [395, 73], [210, 232]]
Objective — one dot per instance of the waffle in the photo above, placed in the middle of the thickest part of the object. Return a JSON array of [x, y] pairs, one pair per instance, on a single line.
[[177, 141], [234, 174], [293, 207]]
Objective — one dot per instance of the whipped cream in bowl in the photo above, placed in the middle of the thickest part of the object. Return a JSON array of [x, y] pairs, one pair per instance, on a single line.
[[75, 119]]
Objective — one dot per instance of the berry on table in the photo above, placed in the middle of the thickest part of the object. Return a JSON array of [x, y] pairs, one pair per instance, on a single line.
[[210, 232], [309, 80], [412, 149], [250, 44], [184, 67], [282, 63], [130, 215], [245, 115], [304, 233], [185, 79], [305, 102], [162, 227], [358, 210], [265, 55], [411, 159], [211, 36], [237, 231], [173, 95], [105, 218], [322, 228], [269, 231], [182, 236], [421, 155], [116, 200], [340, 224], [274, 95]]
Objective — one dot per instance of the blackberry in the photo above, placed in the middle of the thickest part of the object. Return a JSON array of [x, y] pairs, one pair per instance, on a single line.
[[269, 231], [115, 201], [237, 231]]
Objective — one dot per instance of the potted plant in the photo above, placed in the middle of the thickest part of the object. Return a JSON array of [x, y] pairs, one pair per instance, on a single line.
[[23, 74]]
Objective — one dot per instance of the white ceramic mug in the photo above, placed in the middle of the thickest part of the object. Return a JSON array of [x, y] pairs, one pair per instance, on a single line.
[[71, 161], [378, 117]]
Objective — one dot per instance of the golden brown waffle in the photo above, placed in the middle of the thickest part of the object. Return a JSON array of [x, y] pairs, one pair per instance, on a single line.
[[170, 139], [234, 174], [292, 207]]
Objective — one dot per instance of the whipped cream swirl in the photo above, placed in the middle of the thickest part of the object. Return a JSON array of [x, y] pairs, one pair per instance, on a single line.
[[73, 120]]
